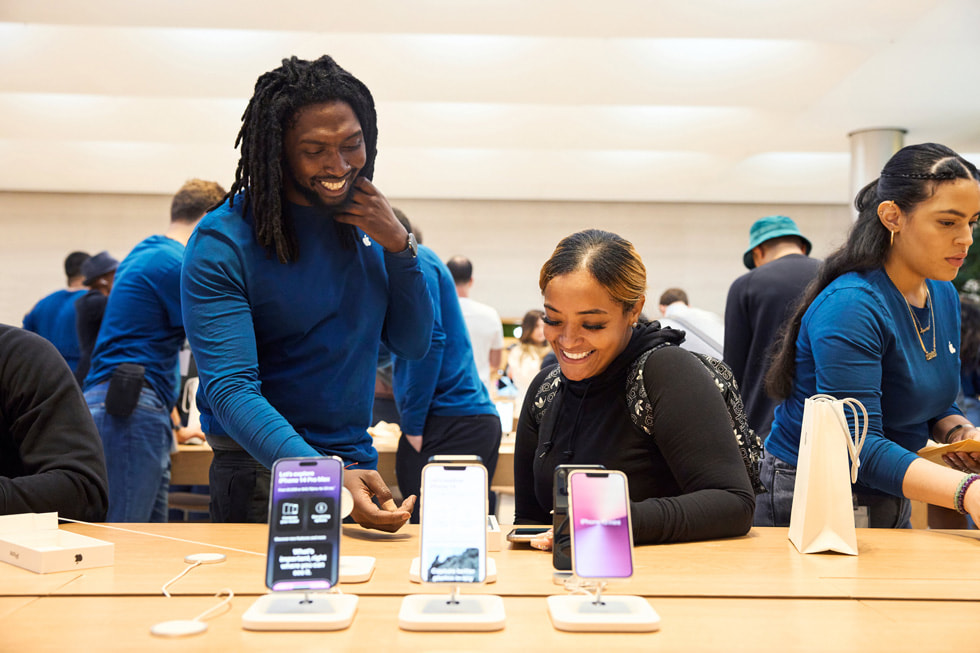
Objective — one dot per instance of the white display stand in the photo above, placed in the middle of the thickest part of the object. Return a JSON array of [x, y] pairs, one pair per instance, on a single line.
[[301, 611], [356, 569], [452, 612], [415, 571], [602, 614]]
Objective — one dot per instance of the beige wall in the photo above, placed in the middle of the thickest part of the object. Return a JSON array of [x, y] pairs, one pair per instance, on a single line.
[[694, 246]]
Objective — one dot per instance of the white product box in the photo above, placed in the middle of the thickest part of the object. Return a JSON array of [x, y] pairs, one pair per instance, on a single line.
[[34, 541], [494, 538]]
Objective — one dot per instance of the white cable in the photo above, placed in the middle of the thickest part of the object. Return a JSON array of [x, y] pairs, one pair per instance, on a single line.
[[226, 602], [176, 578]]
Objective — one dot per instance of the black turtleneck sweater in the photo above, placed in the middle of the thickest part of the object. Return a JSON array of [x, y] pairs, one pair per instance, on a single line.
[[686, 482]]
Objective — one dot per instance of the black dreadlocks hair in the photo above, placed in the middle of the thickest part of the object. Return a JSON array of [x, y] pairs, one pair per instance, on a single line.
[[279, 95]]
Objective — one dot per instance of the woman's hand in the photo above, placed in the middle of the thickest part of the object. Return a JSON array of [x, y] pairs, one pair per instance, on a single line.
[[964, 461], [544, 541]]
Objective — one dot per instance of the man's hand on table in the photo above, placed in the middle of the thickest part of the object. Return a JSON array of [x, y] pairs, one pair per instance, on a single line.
[[364, 485]]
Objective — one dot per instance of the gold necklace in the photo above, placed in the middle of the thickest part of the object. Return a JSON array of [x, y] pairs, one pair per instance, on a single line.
[[919, 330]]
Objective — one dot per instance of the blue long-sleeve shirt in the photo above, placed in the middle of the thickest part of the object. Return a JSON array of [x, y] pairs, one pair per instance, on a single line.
[[287, 352], [53, 318], [857, 340], [445, 382], [142, 322]]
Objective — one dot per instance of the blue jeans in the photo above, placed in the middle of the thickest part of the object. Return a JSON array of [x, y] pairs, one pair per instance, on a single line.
[[137, 456], [775, 506]]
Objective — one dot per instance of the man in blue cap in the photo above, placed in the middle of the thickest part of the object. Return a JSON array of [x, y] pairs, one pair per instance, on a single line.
[[53, 317], [100, 272], [758, 304]]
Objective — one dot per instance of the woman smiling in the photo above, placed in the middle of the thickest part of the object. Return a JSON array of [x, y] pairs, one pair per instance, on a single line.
[[687, 481]]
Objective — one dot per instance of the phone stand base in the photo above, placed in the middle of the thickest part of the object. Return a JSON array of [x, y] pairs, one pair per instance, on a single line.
[[614, 614], [438, 612], [415, 574], [300, 611], [356, 569]]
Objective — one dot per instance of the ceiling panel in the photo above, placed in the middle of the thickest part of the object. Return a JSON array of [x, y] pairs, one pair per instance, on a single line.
[[640, 100]]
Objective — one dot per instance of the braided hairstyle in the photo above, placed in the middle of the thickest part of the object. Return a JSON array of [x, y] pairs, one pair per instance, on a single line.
[[909, 178], [278, 97]]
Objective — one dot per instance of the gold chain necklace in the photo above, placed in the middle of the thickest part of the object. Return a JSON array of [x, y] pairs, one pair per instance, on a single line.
[[919, 330]]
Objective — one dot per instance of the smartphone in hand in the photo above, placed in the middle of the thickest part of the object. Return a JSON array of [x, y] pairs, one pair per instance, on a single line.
[[524, 534]]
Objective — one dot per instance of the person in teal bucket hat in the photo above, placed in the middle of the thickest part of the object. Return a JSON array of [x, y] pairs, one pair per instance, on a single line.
[[769, 227], [758, 303]]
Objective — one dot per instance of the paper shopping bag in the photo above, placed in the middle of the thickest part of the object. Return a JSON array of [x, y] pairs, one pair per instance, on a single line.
[[823, 514]]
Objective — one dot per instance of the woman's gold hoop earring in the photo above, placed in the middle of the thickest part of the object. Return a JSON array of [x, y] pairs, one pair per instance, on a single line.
[[891, 242]]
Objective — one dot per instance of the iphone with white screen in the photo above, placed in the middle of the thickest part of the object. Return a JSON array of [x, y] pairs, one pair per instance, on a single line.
[[454, 523], [304, 524], [599, 514]]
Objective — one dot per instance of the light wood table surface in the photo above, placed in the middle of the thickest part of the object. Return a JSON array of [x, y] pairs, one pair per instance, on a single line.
[[893, 564], [688, 625]]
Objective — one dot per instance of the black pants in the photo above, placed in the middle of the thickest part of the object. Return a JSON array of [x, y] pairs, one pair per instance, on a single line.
[[239, 484], [467, 435]]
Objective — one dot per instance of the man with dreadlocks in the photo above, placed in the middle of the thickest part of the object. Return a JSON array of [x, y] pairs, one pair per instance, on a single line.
[[290, 285]]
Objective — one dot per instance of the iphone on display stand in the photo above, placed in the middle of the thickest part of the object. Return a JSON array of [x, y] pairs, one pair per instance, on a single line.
[[453, 551], [561, 549], [303, 561], [601, 551]]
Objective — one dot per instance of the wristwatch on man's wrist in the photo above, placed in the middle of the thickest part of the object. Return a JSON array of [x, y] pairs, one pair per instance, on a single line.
[[411, 249]]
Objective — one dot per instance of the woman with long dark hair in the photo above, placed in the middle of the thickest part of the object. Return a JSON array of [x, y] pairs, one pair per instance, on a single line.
[[881, 324]]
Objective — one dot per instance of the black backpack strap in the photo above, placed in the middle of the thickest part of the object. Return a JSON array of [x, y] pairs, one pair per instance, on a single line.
[[749, 444], [637, 401], [545, 394]]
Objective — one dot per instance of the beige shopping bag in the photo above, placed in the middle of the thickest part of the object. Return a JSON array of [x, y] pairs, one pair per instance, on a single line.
[[823, 512]]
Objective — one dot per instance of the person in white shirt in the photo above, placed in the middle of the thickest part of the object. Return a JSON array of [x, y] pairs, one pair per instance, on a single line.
[[705, 330], [524, 358], [483, 322]]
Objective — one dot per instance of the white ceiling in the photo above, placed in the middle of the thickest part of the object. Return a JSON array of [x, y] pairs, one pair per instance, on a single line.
[[686, 100]]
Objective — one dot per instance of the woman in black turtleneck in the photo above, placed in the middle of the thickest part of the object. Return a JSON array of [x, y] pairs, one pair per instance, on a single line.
[[687, 481]]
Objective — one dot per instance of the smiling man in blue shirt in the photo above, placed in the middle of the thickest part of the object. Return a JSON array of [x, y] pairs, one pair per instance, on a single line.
[[289, 287]]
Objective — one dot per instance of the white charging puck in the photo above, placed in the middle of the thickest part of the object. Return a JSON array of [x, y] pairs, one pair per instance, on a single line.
[[178, 628], [205, 558]]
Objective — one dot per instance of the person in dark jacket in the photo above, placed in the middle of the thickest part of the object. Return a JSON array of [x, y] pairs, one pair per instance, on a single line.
[[687, 480], [100, 272], [51, 456]]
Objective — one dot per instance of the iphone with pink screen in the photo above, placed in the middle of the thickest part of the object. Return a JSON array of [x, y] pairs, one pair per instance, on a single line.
[[602, 535]]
